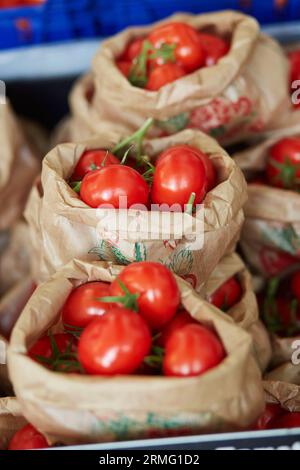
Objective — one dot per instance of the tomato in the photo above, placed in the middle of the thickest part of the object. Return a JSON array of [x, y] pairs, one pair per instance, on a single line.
[[55, 352], [164, 74], [115, 343], [227, 295], [214, 48], [124, 67], [181, 319], [179, 173], [27, 438], [188, 51], [191, 351], [286, 421], [82, 305], [159, 296], [132, 50], [109, 184], [93, 160], [274, 261], [283, 164], [271, 412], [295, 282]]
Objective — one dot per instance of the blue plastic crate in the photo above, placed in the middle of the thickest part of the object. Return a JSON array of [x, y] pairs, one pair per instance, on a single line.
[[55, 20], [122, 13]]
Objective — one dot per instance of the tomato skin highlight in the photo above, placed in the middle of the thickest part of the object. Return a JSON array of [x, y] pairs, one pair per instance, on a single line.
[[115, 343], [180, 319], [227, 295], [188, 51], [82, 306], [191, 351], [283, 164], [214, 48], [163, 74], [91, 158], [179, 173], [106, 186], [159, 294], [27, 438]]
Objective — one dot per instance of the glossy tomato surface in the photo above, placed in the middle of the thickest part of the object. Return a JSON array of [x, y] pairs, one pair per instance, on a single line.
[[93, 160], [28, 438]]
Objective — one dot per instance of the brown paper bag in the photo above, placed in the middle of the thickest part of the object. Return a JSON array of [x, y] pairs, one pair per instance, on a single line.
[[73, 408], [18, 168], [16, 258], [271, 234], [245, 312], [232, 100], [11, 420], [282, 393], [5, 385], [63, 227]]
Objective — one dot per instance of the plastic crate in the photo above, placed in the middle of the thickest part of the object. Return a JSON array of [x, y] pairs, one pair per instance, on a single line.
[[123, 13], [55, 20]]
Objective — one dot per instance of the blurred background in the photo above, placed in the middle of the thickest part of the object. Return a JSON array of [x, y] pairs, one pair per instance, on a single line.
[[46, 44]]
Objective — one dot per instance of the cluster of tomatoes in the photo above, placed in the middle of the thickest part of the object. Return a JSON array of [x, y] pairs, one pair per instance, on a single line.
[[275, 417], [280, 305], [182, 176], [169, 52], [282, 165], [135, 325]]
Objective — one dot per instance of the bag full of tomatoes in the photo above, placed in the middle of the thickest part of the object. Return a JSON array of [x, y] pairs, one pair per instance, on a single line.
[[162, 180], [271, 234], [104, 352], [11, 420], [209, 72], [230, 289], [18, 168]]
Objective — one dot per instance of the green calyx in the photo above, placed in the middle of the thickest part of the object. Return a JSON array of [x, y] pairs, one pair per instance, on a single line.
[[128, 300], [287, 173]]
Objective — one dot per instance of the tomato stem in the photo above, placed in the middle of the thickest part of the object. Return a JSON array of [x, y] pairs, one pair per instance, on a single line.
[[76, 185], [128, 300], [190, 204], [136, 138]]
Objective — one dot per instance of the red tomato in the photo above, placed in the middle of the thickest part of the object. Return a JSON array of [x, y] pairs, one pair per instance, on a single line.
[[296, 285], [115, 343], [275, 261], [82, 305], [133, 49], [227, 295], [93, 160], [286, 421], [188, 52], [283, 164], [271, 411], [164, 74], [124, 67], [106, 186], [191, 351], [214, 48], [43, 352], [179, 173], [159, 296], [27, 438], [181, 319]]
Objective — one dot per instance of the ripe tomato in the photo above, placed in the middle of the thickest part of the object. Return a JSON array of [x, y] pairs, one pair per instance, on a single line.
[[213, 47], [296, 285], [132, 50], [109, 184], [181, 319], [93, 160], [191, 351], [164, 74], [227, 295], [27, 438], [283, 164], [274, 261], [286, 421], [54, 352], [179, 173], [159, 295], [82, 305], [124, 67], [188, 52], [271, 412], [115, 343]]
